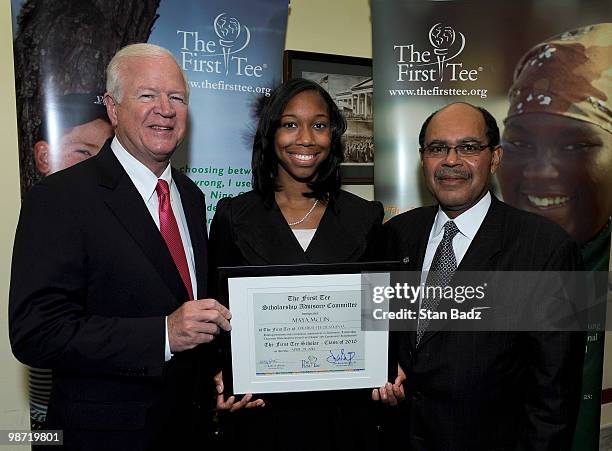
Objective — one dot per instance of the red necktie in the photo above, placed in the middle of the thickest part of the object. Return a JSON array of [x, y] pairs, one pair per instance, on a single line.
[[170, 231]]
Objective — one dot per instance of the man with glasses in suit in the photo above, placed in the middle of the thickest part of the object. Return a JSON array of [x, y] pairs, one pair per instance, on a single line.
[[479, 390]]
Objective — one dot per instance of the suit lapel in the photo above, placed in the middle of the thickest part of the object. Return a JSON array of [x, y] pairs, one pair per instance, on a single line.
[[127, 205], [331, 232], [195, 217], [488, 241], [416, 255], [265, 232], [423, 239]]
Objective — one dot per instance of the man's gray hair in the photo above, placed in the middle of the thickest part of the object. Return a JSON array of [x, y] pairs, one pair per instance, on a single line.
[[143, 50]]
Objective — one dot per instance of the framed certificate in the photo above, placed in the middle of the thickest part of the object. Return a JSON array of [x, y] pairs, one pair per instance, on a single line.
[[299, 328]]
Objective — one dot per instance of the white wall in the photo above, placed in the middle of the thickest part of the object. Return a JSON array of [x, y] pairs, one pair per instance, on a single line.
[[340, 27]]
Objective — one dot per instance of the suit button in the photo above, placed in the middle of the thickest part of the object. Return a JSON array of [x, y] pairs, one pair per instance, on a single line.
[[417, 396], [406, 260]]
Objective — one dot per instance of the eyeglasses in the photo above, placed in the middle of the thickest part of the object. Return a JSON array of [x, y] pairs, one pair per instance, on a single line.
[[463, 150]]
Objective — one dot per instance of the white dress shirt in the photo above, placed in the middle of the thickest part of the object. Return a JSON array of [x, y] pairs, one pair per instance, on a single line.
[[145, 182], [468, 224], [304, 236]]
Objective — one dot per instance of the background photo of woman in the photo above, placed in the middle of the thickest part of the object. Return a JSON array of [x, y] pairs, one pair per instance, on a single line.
[[557, 163]]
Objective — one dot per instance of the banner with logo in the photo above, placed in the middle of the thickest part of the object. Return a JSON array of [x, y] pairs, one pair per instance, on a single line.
[[231, 52], [231, 57], [544, 71]]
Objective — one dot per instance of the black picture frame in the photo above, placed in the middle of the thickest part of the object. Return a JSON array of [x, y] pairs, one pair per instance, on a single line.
[[226, 272], [354, 99]]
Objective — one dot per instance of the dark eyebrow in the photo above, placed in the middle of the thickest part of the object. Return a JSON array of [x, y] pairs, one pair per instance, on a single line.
[[470, 139], [466, 140], [576, 133], [437, 142], [291, 115], [514, 127]]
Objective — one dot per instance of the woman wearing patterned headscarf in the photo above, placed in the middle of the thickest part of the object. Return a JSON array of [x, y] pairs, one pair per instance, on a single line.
[[558, 135], [558, 162]]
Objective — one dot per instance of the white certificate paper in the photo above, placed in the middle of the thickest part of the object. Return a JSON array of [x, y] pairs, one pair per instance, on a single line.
[[303, 333]]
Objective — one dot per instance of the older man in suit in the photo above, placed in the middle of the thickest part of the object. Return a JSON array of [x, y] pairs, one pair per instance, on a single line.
[[109, 271], [479, 390]]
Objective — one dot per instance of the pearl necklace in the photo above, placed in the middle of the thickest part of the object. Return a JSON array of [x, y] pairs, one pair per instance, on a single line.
[[291, 224]]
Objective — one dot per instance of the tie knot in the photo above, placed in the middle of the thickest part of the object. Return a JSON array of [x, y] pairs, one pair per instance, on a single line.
[[450, 230], [162, 187]]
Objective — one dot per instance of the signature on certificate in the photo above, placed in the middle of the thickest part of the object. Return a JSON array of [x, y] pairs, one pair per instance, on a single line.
[[340, 357]]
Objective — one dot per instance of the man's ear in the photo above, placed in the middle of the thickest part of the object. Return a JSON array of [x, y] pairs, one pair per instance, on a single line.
[[496, 159], [111, 108], [41, 157]]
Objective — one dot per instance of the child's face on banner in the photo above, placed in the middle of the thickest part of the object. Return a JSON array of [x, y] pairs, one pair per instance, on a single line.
[[560, 168], [74, 145]]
